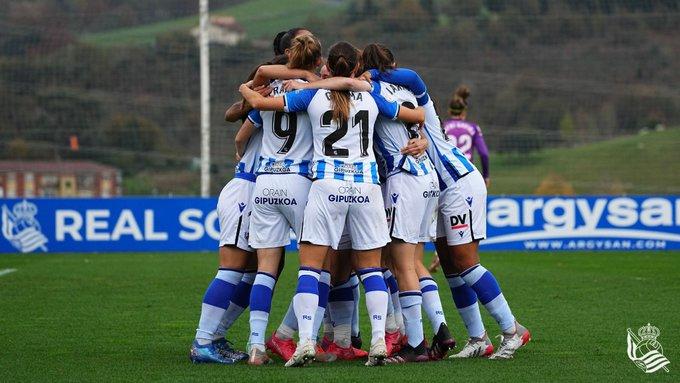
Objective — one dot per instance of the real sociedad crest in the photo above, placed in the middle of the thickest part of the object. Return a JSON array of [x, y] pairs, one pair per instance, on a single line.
[[21, 229]]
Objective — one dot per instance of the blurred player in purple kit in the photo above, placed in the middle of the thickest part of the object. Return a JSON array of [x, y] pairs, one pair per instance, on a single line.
[[465, 134]]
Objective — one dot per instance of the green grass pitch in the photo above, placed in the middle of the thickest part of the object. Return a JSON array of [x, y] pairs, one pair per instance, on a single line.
[[131, 317]]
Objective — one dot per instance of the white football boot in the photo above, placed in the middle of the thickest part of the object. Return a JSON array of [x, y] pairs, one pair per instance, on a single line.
[[475, 348], [304, 354], [377, 354], [512, 342]]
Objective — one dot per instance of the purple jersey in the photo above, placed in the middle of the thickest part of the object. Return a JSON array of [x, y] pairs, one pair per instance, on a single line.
[[468, 137]]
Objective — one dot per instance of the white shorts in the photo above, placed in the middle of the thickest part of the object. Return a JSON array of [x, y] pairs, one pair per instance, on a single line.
[[410, 202], [462, 211], [233, 211], [279, 202], [334, 202]]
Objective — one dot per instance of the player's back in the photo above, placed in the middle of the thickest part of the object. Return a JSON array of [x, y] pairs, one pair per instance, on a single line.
[[392, 135], [343, 150], [463, 134], [287, 140]]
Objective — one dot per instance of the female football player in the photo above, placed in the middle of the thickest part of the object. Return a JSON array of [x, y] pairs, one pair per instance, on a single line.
[[461, 225], [280, 194], [345, 189], [226, 297]]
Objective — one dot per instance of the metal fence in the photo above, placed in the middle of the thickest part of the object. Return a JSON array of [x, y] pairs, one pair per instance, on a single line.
[[570, 99]]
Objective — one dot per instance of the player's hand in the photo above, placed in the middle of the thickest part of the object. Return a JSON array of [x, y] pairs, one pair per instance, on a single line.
[[311, 77], [290, 85], [263, 90], [487, 181], [415, 147], [366, 76], [244, 88]]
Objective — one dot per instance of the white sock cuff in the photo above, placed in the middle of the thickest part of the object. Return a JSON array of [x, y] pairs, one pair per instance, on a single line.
[[229, 275], [325, 277], [473, 274], [265, 280]]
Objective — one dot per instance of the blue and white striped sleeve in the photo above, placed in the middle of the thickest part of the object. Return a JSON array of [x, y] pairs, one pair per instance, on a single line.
[[407, 78], [255, 117], [389, 109], [298, 100]]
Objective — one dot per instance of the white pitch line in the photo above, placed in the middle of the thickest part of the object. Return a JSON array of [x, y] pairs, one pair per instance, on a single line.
[[6, 271]]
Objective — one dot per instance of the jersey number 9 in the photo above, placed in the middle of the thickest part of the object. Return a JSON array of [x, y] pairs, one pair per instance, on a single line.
[[289, 133]]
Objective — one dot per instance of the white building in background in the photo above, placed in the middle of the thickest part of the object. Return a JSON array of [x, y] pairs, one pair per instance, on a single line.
[[224, 30]]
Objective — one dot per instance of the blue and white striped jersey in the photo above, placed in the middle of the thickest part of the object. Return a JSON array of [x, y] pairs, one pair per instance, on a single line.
[[342, 151], [287, 142], [391, 135], [247, 167], [448, 160]]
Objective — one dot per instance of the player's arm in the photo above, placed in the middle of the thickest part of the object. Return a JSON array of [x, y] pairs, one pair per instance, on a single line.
[[265, 73], [257, 101], [240, 109], [331, 83], [236, 111], [242, 137], [405, 77]]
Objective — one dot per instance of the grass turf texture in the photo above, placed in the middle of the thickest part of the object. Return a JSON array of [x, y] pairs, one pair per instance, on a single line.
[[131, 317]]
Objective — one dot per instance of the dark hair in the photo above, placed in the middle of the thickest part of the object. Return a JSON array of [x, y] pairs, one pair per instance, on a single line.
[[304, 53], [377, 56], [458, 102], [287, 38], [343, 60], [277, 43]]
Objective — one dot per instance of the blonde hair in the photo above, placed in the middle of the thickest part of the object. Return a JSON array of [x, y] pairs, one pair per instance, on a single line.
[[304, 52]]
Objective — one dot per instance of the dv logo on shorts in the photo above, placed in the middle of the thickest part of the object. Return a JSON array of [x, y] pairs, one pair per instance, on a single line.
[[459, 222]]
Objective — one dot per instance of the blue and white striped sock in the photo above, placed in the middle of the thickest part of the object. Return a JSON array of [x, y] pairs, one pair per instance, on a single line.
[[411, 302], [240, 299], [260, 305], [376, 300], [215, 303], [432, 304], [489, 293], [324, 290], [356, 292], [465, 299], [341, 307], [306, 301]]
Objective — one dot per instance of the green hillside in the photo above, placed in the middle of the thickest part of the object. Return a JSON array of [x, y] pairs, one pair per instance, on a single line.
[[260, 18], [645, 163]]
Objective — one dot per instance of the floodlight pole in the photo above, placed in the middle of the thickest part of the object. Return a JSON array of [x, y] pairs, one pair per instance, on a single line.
[[205, 97]]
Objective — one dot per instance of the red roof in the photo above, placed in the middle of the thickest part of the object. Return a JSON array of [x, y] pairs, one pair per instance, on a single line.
[[55, 167]]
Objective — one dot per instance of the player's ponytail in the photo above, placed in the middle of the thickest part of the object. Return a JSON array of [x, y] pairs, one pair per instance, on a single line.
[[343, 60], [304, 53], [377, 56], [458, 103]]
